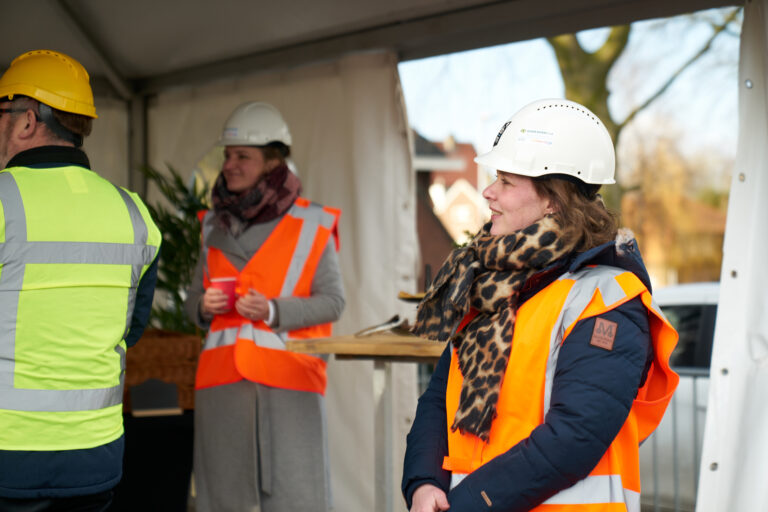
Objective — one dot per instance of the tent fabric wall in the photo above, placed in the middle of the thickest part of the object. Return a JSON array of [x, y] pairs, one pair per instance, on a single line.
[[733, 465], [107, 146], [351, 150]]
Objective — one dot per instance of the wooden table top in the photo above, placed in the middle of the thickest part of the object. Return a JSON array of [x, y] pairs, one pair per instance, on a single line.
[[381, 346]]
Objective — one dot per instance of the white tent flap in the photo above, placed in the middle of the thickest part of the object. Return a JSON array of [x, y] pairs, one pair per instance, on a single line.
[[734, 471]]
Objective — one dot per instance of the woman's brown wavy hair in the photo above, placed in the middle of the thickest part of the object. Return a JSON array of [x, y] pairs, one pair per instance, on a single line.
[[585, 219]]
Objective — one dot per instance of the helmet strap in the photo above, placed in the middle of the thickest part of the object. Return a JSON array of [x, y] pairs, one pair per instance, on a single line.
[[53, 124]]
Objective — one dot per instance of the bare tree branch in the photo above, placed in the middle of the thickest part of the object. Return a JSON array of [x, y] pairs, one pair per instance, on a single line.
[[717, 30]]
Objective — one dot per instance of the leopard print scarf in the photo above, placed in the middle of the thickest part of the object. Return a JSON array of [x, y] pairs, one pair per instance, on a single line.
[[487, 275]]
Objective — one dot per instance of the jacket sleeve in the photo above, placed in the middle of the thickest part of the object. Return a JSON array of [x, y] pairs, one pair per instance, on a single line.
[[593, 391], [427, 442], [143, 306], [326, 300]]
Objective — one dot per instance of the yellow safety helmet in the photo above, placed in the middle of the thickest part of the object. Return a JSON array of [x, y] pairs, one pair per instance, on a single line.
[[52, 78]]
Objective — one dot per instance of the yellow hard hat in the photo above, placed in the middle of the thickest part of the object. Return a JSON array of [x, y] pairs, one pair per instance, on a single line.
[[52, 78]]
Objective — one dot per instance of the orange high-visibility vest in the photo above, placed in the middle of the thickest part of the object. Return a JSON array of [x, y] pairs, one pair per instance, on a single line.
[[543, 323], [284, 266]]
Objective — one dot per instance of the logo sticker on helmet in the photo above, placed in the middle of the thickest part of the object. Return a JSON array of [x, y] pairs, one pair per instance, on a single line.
[[536, 136], [500, 133]]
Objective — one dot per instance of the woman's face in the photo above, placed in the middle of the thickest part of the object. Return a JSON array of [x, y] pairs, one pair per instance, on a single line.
[[514, 203], [244, 166]]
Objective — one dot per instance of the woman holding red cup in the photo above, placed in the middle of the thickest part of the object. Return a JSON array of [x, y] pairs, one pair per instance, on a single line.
[[268, 271]]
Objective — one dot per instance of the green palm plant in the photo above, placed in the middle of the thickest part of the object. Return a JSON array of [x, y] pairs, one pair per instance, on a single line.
[[176, 217]]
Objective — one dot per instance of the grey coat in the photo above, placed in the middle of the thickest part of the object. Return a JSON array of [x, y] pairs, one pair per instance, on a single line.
[[259, 448]]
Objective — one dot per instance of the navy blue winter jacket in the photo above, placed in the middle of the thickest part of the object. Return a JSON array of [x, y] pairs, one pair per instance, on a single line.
[[592, 394]]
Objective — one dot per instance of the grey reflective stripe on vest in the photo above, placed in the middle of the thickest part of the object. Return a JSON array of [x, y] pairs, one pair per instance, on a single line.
[[15, 253], [262, 338], [11, 277], [36, 400], [221, 338], [140, 237], [597, 489], [229, 336], [587, 280], [313, 216], [600, 488]]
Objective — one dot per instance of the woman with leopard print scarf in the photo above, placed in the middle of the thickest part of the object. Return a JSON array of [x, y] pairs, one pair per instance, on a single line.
[[557, 361]]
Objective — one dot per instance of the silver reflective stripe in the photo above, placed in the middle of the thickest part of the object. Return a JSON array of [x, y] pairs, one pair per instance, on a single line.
[[228, 336], [597, 489], [34, 253], [456, 479], [43, 400], [60, 400], [15, 253], [262, 338], [587, 280], [221, 338], [140, 237], [313, 216], [11, 276]]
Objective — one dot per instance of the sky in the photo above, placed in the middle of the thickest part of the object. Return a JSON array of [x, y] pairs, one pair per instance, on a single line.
[[469, 95]]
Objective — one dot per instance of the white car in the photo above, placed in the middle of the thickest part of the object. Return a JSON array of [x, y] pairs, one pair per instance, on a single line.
[[669, 459]]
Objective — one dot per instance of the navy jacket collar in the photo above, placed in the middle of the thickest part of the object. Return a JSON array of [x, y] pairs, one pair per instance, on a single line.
[[621, 253], [50, 156]]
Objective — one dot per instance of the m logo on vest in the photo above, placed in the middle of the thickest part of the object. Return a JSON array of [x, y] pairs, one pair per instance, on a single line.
[[603, 334]]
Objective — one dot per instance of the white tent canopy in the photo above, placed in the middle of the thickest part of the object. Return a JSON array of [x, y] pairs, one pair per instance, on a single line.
[[166, 74], [136, 49]]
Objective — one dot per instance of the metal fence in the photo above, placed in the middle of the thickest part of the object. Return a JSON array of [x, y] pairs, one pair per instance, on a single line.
[[670, 458]]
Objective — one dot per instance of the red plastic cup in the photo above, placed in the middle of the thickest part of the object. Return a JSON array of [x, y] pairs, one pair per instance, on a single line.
[[227, 285]]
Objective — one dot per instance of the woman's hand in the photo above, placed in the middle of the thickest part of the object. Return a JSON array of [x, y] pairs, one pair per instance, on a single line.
[[429, 498], [253, 306], [214, 302]]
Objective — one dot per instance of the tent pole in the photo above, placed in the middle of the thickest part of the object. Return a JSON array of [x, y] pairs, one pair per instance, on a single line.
[[137, 144]]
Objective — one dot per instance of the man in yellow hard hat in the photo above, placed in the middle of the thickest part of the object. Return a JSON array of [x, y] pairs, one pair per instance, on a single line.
[[78, 265]]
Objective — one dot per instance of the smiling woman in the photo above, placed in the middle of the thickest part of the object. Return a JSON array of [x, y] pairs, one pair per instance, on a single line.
[[557, 361], [244, 166], [514, 203], [267, 271]]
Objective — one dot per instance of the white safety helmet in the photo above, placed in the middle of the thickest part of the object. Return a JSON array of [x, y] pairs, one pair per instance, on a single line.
[[255, 124], [554, 136]]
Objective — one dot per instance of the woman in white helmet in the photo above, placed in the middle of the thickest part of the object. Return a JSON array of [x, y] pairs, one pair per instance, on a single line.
[[268, 271], [557, 361]]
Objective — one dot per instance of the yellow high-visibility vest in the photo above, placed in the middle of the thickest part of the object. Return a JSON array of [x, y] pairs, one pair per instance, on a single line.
[[73, 248]]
